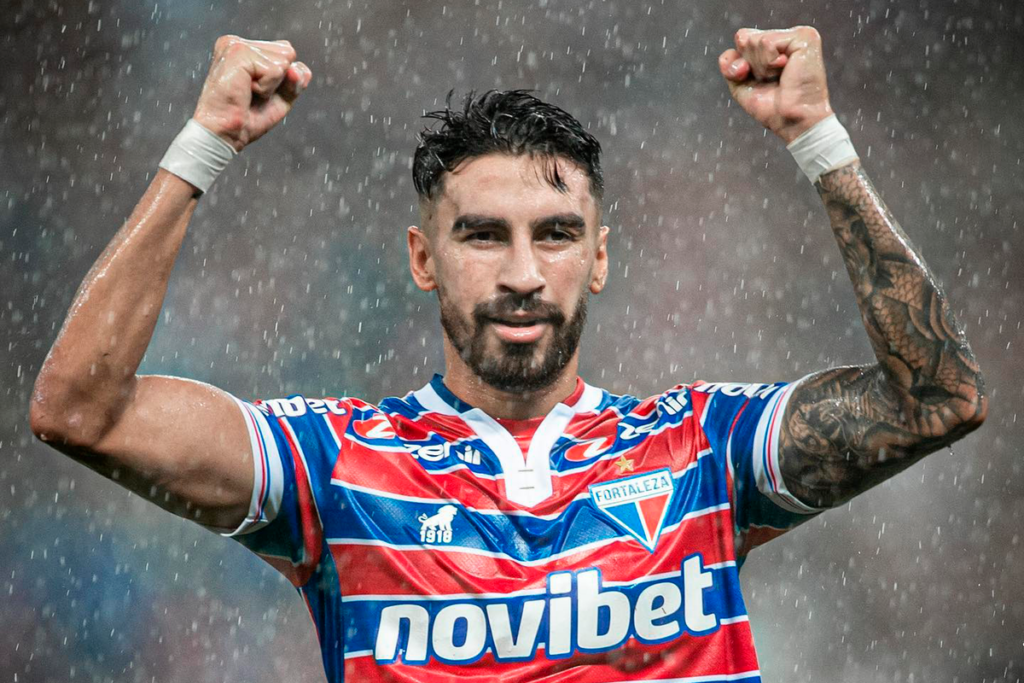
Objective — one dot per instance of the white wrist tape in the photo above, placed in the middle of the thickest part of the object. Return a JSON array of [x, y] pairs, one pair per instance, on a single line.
[[824, 147], [197, 155]]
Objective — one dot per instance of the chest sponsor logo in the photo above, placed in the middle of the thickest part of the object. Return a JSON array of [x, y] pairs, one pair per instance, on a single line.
[[437, 528], [575, 613], [637, 504]]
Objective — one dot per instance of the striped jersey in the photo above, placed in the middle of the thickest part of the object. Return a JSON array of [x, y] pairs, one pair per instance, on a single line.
[[599, 543]]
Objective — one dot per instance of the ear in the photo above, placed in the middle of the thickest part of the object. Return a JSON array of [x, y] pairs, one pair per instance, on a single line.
[[599, 273], [421, 260]]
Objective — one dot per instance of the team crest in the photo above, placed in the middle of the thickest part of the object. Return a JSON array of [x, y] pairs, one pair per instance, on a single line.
[[637, 504]]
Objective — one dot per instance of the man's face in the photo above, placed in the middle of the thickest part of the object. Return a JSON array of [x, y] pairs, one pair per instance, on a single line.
[[513, 261]]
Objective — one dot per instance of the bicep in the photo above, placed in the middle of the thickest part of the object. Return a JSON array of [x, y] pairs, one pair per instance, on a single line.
[[185, 446], [845, 430]]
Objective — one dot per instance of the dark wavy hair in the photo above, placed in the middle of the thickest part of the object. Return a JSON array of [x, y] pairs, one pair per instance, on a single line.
[[506, 121]]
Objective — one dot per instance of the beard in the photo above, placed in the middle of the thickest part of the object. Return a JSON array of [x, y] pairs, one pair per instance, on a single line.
[[515, 367]]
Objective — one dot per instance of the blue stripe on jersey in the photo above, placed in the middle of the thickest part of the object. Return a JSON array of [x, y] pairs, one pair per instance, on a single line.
[[323, 597], [376, 517]]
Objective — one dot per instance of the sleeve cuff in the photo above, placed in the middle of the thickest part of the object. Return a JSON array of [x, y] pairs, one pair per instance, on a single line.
[[767, 470], [267, 474]]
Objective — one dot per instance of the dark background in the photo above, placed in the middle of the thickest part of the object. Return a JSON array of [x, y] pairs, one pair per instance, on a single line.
[[294, 277]]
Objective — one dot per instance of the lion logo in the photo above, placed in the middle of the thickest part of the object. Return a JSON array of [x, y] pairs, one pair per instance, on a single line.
[[437, 528]]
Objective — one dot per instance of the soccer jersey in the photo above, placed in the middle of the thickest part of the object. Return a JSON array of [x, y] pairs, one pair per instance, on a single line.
[[600, 543]]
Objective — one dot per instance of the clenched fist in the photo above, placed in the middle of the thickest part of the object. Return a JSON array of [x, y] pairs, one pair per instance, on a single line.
[[778, 77], [251, 86]]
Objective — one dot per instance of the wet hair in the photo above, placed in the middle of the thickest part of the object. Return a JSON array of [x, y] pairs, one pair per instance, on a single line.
[[504, 121]]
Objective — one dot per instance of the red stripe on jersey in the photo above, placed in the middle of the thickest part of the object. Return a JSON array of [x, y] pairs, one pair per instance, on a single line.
[[380, 570], [725, 652], [451, 427], [312, 534]]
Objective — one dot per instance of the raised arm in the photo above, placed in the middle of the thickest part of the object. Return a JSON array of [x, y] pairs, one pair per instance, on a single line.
[[180, 443], [846, 429]]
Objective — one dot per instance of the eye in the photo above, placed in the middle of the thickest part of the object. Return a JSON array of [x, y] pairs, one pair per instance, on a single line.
[[482, 236], [558, 235]]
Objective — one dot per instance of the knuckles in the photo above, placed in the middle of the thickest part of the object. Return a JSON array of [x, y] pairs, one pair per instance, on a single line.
[[231, 44], [289, 51], [808, 33], [748, 37], [225, 41]]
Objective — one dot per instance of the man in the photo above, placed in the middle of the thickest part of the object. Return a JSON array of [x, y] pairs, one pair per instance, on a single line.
[[509, 520]]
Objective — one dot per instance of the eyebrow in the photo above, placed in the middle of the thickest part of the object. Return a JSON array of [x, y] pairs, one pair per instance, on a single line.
[[474, 221]]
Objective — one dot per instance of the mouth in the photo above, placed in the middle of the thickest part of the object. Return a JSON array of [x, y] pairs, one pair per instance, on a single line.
[[519, 330]]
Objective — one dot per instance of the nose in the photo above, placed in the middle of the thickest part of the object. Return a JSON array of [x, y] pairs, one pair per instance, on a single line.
[[520, 271]]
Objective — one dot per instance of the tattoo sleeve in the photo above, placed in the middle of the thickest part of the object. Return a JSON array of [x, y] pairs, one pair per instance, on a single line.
[[846, 429]]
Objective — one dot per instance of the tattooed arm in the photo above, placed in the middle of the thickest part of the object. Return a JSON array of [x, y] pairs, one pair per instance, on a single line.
[[846, 429]]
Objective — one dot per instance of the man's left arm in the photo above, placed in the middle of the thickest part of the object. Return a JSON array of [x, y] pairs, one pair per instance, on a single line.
[[846, 429]]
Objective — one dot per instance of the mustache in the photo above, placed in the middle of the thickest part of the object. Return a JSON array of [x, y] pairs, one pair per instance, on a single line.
[[512, 303]]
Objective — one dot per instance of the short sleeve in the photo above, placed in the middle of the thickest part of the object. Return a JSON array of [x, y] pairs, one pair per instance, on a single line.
[[283, 525], [742, 424]]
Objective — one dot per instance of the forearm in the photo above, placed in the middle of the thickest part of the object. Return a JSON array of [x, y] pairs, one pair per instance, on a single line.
[[922, 351], [89, 373]]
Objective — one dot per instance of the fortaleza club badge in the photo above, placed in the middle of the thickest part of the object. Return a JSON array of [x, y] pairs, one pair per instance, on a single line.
[[638, 504]]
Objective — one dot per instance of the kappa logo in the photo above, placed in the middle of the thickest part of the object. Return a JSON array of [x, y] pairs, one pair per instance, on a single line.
[[374, 428], [585, 451], [437, 528], [637, 504]]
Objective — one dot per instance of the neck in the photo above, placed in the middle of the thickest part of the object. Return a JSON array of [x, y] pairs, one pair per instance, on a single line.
[[467, 386]]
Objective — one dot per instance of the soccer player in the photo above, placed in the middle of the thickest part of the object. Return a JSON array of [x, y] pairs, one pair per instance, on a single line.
[[508, 521]]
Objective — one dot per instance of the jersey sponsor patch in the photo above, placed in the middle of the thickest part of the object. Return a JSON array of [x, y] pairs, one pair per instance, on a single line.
[[375, 427], [587, 450], [638, 504]]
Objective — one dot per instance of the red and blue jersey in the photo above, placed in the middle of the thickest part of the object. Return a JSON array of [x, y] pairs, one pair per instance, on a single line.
[[599, 543]]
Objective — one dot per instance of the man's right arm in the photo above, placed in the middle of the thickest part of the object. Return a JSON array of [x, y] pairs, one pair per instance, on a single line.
[[182, 444]]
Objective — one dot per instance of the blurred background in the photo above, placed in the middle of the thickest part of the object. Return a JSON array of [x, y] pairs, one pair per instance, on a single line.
[[294, 278]]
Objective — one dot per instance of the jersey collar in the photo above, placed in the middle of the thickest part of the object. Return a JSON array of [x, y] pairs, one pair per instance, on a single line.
[[528, 483], [571, 401]]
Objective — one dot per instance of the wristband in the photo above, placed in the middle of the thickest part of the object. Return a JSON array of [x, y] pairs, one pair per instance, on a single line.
[[823, 147], [197, 156]]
